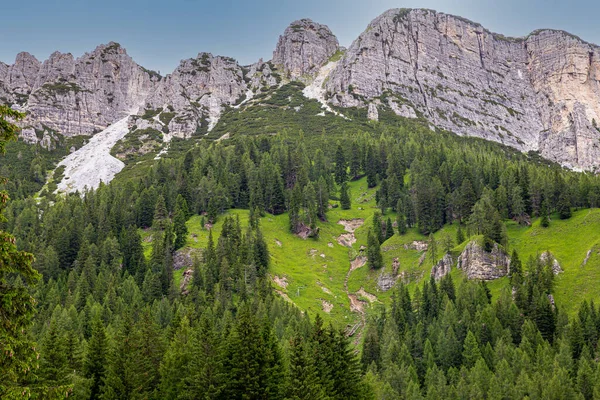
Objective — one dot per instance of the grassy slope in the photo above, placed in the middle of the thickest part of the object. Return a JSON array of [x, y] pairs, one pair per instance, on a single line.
[[315, 270]]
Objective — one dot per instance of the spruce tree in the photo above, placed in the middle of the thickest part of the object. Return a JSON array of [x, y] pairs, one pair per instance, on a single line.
[[17, 351], [94, 366], [160, 214], [564, 205], [471, 352], [303, 381], [345, 201], [179, 227], [378, 227], [389, 229], [341, 165], [53, 361], [374, 257]]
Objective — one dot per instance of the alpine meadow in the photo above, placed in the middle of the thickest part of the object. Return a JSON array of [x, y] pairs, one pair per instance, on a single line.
[[416, 216]]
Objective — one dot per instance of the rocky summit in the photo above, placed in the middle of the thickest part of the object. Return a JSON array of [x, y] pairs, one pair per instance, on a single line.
[[538, 93]]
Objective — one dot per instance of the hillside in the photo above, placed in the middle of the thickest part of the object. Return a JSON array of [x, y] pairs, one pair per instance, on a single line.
[[413, 217]]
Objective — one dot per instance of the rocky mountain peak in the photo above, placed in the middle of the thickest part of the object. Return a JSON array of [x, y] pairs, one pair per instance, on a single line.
[[303, 48], [539, 93]]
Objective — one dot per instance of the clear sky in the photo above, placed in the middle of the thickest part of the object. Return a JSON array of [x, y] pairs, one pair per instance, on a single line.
[[157, 34]]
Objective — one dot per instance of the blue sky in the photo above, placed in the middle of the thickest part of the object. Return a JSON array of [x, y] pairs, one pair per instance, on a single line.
[[157, 34]]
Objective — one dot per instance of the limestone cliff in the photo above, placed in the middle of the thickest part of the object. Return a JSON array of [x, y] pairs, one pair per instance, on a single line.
[[538, 93], [303, 48], [76, 96], [197, 92]]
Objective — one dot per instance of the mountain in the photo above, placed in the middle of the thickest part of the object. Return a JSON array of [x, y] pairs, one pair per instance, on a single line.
[[539, 93]]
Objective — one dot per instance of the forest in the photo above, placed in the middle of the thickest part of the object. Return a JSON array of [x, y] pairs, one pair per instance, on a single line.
[[88, 313]]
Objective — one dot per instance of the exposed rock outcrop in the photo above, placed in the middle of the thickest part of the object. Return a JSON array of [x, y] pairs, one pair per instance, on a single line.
[[81, 96], [539, 93], [443, 267], [303, 48], [536, 93], [482, 265], [547, 257], [197, 92]]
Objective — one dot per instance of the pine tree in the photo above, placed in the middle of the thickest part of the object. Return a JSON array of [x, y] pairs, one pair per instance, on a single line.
[[345, 201], [160, 214], [17, 352], [176, 360], [179, 227], [374, 257], [401, 222], [432, 249], [355, 161], [53, 360], [545, 221], [303, 381], [341, 166], [460, 236], [378, 227], [564, 205], [389, 229], [206, 375], [94, 366], [471, 352]]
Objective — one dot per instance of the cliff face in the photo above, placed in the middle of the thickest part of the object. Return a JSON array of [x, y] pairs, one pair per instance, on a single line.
[[303, 48], [537, 93], [76, 96], [197, 92]]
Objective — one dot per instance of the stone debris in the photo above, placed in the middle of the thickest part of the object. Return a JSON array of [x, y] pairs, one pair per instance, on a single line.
[[350, 225], [280, 281], [183, 258], [327, 306], [185, 282], [346, 239]]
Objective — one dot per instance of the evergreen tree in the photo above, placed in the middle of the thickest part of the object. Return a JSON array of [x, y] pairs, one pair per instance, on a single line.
[[176, 359], [378, 227], [471, 352], [460, 236], [303, 381], [341, 166], [545, 221], [564, 206], [389, 229], [53, 360], [374, 257], [355, 161], [94, 366], [17, 352], [432, 249], [160, 214], [179, 227], [345, 197]]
